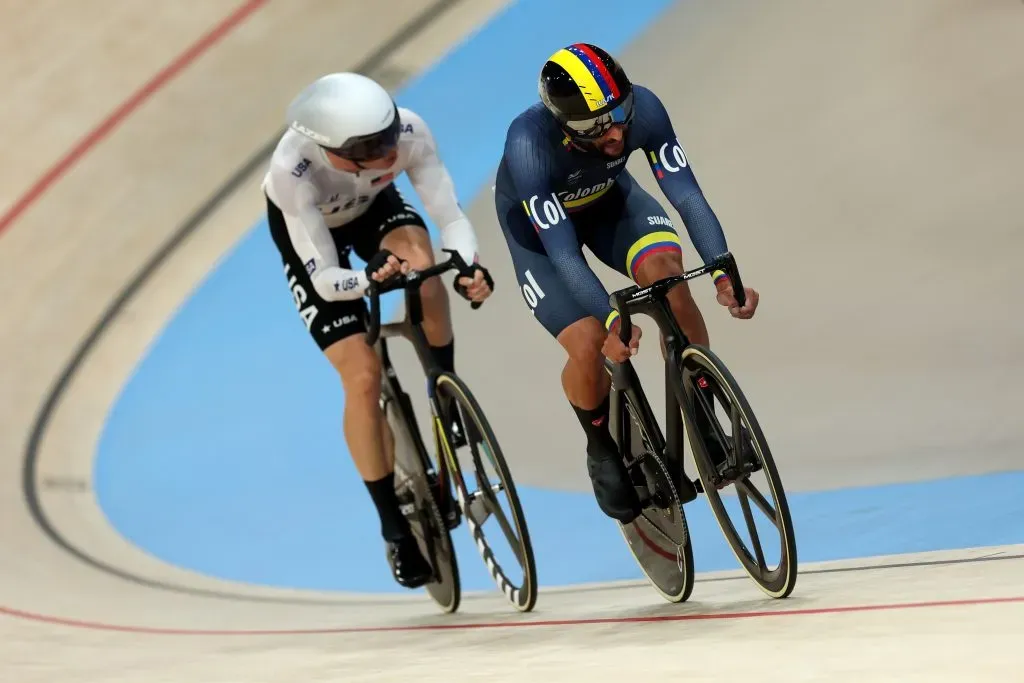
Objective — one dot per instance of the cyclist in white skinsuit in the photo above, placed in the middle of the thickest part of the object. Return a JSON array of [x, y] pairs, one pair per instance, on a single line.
[[330, 192]]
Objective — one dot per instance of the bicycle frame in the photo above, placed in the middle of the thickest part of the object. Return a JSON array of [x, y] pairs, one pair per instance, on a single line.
[[625, 381], [652, 301], [411, 329]]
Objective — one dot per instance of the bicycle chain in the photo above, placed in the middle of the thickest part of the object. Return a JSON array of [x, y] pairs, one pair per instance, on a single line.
[[678, 505], [649, 452]]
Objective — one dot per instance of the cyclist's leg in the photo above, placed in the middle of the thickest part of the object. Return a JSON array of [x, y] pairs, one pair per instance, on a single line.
[[400, 229], [644, 246], [581, 335], [337, 328], [584, 380]]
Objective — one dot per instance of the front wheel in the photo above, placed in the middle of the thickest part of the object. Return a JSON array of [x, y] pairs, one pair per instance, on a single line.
[[729, 448]]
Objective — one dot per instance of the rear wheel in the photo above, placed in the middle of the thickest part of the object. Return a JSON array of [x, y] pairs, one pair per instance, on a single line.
[[731, 450], [490, 503], [659, 538], [412, 486]]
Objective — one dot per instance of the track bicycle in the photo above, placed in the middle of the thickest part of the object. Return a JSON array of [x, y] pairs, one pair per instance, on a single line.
[[463, 439], [698, 386]]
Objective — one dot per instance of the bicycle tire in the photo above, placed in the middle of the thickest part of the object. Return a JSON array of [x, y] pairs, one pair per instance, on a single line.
[[524, 596], [780, 582]]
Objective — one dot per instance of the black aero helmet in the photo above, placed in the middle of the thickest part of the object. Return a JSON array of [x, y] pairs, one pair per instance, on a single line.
[[586, 90]]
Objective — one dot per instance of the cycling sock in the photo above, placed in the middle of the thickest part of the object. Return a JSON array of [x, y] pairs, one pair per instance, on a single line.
[[595, 424], [445, 355], [393, 525]]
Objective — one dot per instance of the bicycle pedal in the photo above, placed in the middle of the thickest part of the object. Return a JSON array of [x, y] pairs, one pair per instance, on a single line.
[[452, 518], [644, 494], [687, 489]]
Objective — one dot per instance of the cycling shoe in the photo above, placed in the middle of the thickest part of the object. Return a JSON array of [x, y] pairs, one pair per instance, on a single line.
[[613, 487], [408, 565]]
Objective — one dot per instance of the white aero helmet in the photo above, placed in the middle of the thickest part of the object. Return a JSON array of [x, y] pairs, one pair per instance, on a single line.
[[348, 114]]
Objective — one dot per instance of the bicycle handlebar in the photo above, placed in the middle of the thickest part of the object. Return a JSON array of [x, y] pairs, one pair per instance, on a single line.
[[411, 280], [622, 299]]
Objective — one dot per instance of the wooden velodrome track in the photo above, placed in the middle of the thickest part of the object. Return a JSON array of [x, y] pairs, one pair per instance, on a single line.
[[125, 121]]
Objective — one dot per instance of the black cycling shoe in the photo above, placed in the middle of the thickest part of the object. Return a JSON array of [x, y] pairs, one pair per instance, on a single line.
[[613, 486], [408, 565]]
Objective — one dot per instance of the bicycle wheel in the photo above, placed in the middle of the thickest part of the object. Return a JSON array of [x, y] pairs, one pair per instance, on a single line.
[[417, 499], [478, 449], [659, 538], [711, 390]]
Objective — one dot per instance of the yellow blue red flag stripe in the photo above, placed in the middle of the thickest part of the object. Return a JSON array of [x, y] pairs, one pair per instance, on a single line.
[[610, 320], [658, 172], [652, 243]]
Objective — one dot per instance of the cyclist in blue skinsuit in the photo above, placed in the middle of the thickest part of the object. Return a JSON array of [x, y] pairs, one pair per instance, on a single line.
[[562, 184]]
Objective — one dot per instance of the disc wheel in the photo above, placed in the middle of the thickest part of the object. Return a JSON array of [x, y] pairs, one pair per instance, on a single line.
[[659, 538], [419, 506]]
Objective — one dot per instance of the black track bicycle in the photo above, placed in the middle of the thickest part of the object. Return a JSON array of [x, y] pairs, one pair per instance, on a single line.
[[463, 442], [704, 403]]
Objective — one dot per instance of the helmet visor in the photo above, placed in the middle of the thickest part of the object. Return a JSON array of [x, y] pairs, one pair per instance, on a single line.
[[595, 127], [373, 146]]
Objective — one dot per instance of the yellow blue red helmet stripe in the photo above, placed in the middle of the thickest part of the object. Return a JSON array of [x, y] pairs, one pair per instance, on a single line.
[[649, 244], [596, 67], [589, 73]]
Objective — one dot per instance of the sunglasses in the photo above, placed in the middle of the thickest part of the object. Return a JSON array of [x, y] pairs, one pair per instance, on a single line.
[[597, 126], [370, 147]]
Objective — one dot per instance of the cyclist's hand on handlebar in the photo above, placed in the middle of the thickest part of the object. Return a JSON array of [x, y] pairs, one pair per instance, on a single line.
[[726, 297], [475, 285], [613, 348], [384, 265]]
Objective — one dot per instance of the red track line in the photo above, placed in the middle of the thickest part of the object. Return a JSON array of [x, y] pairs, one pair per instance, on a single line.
[[57, 171], [472, 626]]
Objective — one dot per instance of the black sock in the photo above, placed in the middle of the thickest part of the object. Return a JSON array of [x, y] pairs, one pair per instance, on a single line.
[[445, 355], [393, 525], [595, 424]]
